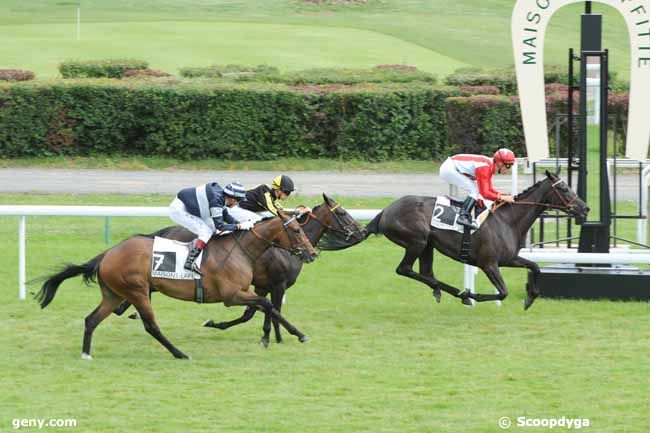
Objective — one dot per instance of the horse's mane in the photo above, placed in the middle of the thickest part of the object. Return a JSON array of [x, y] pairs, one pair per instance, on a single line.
[[529, 189]]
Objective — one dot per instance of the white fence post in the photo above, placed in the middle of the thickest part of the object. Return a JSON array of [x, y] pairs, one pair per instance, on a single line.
[[22, 293]]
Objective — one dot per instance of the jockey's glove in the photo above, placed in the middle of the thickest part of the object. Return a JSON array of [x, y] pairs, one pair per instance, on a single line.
[[245, 225]]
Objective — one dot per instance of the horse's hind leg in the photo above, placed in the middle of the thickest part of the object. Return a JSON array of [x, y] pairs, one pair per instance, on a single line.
[[109, 301], [426, 267], [143, 305], [405, 268], [248, 315], [122, 308], [243, 297]]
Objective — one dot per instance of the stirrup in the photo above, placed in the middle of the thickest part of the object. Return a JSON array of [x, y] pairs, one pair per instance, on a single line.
[[467, 222], [193, 268]]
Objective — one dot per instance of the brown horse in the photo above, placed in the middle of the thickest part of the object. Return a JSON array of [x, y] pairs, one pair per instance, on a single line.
[[124, 272], [276, 270]]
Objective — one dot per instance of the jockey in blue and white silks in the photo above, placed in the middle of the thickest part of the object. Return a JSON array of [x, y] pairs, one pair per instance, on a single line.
[[203, 210]]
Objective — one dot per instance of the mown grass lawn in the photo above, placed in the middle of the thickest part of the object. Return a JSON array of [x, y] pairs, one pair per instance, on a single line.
[[436, 35], [383, 357]]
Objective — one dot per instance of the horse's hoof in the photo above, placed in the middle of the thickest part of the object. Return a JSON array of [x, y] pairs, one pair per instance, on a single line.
[[467, 302], [303, 339], [86, 356], [182, 356], [437, 295], [264, 342], [528, 302], [208, 324], [133, 316]]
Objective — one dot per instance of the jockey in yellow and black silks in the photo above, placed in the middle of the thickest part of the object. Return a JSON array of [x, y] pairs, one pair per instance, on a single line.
[[266, 198]]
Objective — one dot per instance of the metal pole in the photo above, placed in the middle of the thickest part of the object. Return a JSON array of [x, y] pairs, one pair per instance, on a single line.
[[22, 293], [107, 230]]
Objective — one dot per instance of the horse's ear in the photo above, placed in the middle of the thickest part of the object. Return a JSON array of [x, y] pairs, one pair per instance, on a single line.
[[548, 174], [557, 172], [326, 199]]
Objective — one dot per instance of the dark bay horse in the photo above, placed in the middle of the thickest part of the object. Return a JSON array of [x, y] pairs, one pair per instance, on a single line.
[[276, 270], [124, 272], [407, 220]]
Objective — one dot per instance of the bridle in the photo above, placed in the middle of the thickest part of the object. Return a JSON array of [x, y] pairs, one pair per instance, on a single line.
[[295, 250], [344, 229], [567, 205]]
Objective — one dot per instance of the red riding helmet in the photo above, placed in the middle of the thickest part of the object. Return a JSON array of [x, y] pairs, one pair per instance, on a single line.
[[505, 156]]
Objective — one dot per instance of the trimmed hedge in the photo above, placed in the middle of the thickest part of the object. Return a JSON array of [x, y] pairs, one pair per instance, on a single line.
[[220, 71], [16, 75], [346, 76], [145, 73], [232, 121], [506, 81], [111, 68], [483, 123]]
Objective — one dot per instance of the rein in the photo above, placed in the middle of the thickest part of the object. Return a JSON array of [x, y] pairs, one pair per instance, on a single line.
[[294, 250], [566, 205], [343, 230]]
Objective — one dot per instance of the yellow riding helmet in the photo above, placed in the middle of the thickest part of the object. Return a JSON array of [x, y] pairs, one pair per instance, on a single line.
[[284, 183]]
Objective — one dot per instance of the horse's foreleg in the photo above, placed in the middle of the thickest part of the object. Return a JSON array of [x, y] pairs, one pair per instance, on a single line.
[[277, 293], [493, 273], [532, 291]]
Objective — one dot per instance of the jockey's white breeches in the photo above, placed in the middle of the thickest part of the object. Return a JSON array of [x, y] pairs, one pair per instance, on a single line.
[[449, 174], [242, 215], [178, 214]]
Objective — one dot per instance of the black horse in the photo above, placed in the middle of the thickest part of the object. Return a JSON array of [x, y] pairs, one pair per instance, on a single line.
[[406, 222], [276, 270]]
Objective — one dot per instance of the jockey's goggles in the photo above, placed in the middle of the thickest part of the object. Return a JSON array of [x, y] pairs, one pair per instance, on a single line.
[[507, 165]]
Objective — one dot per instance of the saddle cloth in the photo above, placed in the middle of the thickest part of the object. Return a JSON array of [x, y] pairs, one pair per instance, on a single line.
[[445, 215], [168, 257]]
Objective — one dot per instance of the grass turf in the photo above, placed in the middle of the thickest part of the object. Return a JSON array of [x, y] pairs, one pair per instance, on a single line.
[[436, 35], [383, 357]]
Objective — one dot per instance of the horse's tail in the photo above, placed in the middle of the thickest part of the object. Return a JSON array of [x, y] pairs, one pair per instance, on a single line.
[[373, 226], [51, 285]]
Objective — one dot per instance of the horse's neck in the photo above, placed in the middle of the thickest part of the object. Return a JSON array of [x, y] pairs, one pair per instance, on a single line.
[[265, 233], [521, 217], [314, 230]]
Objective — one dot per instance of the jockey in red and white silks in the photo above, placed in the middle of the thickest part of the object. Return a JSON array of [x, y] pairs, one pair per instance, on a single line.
[[473, 174]]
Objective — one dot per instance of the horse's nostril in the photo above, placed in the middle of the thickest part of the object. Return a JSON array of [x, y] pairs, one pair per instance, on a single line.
[[587, 209]]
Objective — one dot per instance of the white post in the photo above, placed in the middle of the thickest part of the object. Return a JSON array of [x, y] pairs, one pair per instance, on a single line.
[[22, 294], [78, 21], [470, 279]]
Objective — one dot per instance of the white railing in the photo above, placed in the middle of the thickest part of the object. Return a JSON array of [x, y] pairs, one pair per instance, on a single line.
[[617, 256], [96, 211], [542, 255]]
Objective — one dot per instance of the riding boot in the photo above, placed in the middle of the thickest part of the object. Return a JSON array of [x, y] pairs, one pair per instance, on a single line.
[[465, 215], [191, 257]]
